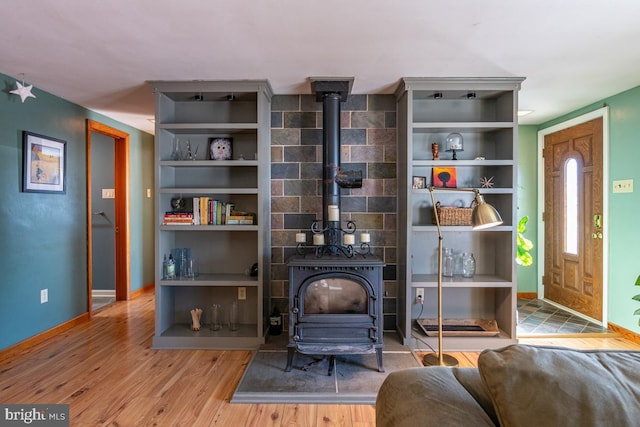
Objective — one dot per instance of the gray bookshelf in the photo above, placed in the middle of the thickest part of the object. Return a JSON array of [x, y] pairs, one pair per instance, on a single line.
[[195, 112], [484, 112]]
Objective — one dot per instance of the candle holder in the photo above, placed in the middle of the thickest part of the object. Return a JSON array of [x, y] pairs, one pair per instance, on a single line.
[[334, 240]]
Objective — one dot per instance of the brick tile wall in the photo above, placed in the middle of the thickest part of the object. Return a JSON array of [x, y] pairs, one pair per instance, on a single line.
[[369, 143]]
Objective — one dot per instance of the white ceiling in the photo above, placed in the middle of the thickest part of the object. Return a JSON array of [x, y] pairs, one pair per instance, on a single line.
[[99, 54]]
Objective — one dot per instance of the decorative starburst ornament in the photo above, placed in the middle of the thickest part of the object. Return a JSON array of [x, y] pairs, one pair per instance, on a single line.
[[486, 182], [23, 91]]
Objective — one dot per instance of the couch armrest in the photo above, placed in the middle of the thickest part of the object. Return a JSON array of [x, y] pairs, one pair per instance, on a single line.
[[427, 397]]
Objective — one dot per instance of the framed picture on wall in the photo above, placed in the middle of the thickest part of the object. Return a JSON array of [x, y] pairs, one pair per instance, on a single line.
[[44, 163]]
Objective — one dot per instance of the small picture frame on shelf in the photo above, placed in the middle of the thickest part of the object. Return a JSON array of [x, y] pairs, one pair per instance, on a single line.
[[220, 148], [419, 182], [444, 178]]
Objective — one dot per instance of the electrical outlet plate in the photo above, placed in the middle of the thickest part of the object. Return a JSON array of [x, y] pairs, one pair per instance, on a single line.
[[242, 293], [44, 296], [419, 295]]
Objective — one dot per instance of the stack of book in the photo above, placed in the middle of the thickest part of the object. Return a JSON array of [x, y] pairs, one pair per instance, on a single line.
[[178, 218], [237, 218]]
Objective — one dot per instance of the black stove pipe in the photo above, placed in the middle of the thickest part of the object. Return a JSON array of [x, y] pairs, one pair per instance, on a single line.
[[331, 151]]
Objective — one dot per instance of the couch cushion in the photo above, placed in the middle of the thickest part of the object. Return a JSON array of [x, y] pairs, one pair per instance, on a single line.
[[470, 379], [550, 386], [427, 397]]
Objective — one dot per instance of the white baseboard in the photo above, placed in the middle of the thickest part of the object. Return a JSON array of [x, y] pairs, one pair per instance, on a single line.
[[103, 293]]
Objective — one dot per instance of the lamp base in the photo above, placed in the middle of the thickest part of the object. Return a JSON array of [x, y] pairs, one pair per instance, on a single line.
[[433, 359]]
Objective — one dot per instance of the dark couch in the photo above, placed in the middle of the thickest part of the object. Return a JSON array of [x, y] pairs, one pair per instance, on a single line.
[[519, 386]]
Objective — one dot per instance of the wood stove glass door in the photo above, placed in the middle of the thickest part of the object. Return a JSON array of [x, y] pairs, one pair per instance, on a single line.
[[335, 296]]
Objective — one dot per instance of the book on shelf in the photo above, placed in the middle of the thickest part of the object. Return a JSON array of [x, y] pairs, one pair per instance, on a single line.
[[203, 203], [196, 211], [240, 221]]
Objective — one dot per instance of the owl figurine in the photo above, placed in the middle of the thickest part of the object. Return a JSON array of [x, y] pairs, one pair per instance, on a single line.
[[220, 149]]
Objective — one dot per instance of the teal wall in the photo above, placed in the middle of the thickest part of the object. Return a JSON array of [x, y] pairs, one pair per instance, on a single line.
[[528, 201], [43, 237], [624, 231]]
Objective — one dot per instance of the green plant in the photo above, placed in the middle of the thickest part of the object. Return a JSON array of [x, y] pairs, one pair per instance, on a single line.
[[523, 257], [637, 298]]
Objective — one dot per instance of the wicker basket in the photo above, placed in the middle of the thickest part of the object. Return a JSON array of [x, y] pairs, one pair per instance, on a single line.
[[450, 215]]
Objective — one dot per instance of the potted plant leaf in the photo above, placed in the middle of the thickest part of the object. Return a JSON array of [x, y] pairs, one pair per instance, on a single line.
[[637, 298], [524, 245]]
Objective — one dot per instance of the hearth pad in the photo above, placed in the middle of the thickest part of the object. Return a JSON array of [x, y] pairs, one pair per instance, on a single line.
[[355, 378]]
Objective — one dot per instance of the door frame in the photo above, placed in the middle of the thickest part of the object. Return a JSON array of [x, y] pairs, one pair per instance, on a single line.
[[121, 184], [599, 113]]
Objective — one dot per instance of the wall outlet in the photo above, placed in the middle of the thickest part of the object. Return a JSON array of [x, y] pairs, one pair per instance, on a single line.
[[419, 295], [44, 296], [242, 293], [623, 186], [108, 193]]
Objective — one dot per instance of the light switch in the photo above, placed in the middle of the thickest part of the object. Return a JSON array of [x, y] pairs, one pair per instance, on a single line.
[[623, 186]]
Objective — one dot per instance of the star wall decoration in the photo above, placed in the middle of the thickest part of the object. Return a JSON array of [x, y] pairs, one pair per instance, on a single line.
[[23, 91]]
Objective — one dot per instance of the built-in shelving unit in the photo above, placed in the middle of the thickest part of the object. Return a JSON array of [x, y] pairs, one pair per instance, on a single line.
[[195, 112], [484, 112]]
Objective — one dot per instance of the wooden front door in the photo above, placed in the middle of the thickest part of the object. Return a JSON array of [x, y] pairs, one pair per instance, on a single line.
[[573, 208]]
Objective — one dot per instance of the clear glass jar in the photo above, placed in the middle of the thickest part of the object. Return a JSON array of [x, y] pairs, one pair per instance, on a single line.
[[447, 262], [468, 265]]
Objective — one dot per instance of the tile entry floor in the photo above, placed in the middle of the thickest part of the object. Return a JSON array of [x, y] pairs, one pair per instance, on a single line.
[[538, 317]]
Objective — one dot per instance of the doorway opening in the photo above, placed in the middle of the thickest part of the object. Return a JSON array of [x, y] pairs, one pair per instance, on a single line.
[[120, 221], [571, 263]]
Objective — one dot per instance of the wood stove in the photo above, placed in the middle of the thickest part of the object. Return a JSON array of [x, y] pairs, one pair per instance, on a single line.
[[335, 306]]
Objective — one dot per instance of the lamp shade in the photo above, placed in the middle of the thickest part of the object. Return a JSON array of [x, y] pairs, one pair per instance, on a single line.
[[484, 215]]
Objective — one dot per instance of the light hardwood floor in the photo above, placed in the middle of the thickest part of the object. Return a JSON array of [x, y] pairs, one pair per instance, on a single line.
[[108, 374]]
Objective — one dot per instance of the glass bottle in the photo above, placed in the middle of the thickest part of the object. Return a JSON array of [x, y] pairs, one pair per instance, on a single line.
[[468, 265], [234, 316], [447, 262], [164, 267], [171, 268], [175, 152]]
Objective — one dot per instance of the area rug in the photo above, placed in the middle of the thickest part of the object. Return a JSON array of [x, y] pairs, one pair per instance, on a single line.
[[354, 378]]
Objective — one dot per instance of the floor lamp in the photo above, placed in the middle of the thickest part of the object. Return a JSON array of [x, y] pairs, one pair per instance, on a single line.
[[483, 216]]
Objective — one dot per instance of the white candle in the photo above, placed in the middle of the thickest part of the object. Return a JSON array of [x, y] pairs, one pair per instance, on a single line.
[[318, 239], [334, 213], [301, 238], [349, 239], [365, 237]]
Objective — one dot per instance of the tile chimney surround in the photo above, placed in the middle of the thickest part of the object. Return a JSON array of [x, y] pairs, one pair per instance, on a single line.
[[368, 144]]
